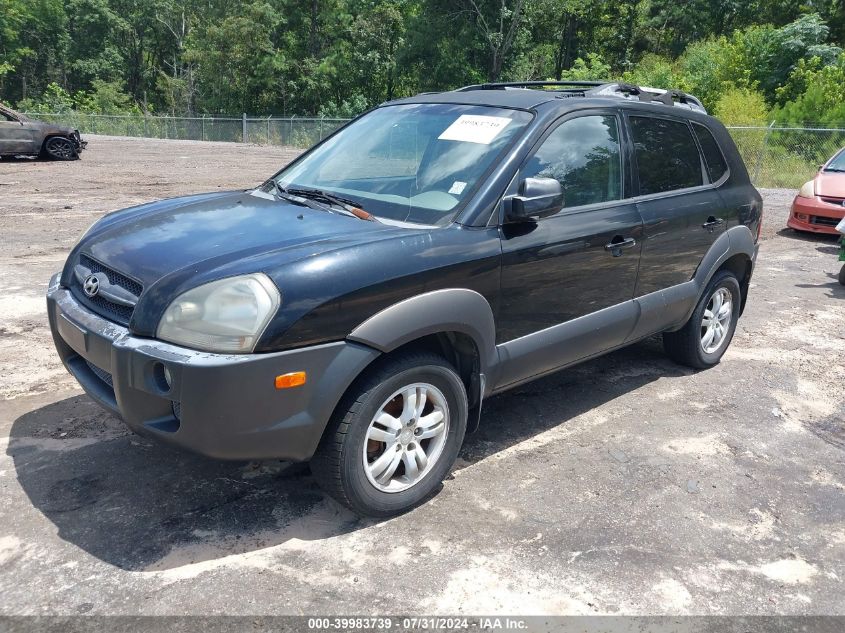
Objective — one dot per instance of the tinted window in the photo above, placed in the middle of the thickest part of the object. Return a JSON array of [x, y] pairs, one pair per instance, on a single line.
[[583, 155], [667, 156], [716, 167]]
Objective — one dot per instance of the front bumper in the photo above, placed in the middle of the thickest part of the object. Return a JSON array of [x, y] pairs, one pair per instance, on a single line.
[[220, 405], [814, 215]]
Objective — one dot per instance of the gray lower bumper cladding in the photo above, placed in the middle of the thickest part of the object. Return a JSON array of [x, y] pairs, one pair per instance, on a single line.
[[220, 405]]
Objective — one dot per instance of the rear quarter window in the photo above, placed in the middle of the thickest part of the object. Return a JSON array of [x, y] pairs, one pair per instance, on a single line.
[[713, 157], [666, 153]]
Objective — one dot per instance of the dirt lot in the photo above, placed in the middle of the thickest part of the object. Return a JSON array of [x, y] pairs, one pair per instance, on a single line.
[[626, 485]]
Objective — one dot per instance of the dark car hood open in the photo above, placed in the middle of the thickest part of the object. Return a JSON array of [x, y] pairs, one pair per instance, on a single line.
[[199, 234]]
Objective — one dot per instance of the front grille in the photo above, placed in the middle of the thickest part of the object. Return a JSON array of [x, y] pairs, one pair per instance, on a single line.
[[823, 221], [177, 410], [102, 374], [113, 311], [115, 278], [837, 201]]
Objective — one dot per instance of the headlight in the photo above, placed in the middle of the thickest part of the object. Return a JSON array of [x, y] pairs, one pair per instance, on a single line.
[[808, 190], [222, 316]]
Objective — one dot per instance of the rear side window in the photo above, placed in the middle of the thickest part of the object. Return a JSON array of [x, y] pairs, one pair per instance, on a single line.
[[716, 167], [667, 156]]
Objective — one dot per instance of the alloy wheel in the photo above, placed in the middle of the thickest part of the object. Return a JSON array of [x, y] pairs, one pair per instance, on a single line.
[[716, 321], [59, 147], [406, 437]]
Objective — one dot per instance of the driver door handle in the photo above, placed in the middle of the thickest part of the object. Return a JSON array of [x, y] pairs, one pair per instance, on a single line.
[[712, 222], [618, 243]]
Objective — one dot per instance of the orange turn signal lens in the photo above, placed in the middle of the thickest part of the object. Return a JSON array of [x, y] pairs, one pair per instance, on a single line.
[[293, 379]]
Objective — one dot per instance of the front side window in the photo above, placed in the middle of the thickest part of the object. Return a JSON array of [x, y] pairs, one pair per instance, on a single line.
[[716, 166], [667, 156], [584, 155], [414, 163]]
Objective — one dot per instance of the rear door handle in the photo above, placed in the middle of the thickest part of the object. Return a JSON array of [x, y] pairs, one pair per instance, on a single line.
[[712, 223], [618, 243]]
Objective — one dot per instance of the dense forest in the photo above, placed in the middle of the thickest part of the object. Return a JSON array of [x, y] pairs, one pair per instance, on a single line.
[[750, 60]]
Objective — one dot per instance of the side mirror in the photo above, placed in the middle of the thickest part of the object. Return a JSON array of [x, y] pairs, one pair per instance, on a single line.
[[538, 198]]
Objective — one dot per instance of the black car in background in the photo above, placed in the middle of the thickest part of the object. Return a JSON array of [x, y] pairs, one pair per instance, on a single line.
[[356, 309], [22, 136]]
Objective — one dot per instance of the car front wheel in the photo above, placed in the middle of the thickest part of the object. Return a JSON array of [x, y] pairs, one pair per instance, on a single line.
[[705, 338], [395, 436], [60, 148]]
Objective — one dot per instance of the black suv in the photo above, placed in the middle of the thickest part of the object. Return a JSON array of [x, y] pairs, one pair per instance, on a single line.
[[356, 308]]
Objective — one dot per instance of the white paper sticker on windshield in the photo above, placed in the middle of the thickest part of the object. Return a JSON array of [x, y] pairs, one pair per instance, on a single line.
[[457, 188], [475, 128]]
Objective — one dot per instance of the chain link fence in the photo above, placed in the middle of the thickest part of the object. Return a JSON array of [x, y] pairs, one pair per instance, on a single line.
[[300, 132], [775, 156], [786, 156]]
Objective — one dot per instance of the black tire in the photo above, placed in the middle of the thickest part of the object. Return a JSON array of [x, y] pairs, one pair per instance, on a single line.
[[59, 148], [338, 464], [685, 345], [842, 275]]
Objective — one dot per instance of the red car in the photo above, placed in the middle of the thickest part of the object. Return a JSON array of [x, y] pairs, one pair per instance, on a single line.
[[820, 204]]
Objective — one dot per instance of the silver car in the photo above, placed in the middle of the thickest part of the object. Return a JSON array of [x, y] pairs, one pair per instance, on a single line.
[[21, 136]]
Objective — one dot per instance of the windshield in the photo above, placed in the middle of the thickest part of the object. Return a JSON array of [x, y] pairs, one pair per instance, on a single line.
[[412, 163], [837, 163]]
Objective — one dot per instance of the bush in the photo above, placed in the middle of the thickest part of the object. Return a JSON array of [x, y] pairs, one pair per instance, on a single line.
[[55, 99], [656, 72], [741, 106], [817, 92], [591, 69], [346, 109]]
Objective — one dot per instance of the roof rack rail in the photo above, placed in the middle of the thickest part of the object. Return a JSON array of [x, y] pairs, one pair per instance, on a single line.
[[648, 95], [619, 90], [502, 85]]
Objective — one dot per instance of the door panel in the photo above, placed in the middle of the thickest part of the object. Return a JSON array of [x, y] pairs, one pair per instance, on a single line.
[[559, 269], [16, 138], [585, 258], [682, 214], [675, 237]]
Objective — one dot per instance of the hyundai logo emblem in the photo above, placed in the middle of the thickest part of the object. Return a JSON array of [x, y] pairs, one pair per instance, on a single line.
[[91, 286]]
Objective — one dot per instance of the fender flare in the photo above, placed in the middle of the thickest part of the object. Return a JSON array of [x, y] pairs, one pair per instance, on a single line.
[[737, 240], [447, 310]]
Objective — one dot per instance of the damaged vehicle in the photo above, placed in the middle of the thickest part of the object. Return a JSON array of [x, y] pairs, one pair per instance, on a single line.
[[357, 308], [22, 136]]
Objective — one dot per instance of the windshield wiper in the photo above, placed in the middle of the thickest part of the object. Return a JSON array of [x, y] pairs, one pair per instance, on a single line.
[[321, 200], [317, 194], [281, 192], [349, 206]]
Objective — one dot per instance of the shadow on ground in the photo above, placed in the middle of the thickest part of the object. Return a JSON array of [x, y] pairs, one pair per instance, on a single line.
[[129, 501], [806, 236]]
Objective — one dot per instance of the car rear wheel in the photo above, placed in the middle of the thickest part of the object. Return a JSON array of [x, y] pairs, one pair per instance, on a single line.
[[394, 437], [705, 338], [60, 148]]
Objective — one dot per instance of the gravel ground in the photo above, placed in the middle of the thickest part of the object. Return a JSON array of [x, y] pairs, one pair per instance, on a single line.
[[627, 485]]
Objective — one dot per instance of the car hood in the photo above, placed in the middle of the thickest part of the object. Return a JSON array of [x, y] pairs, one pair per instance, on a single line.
[[830, 184], [51, 128], [197, 235]]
